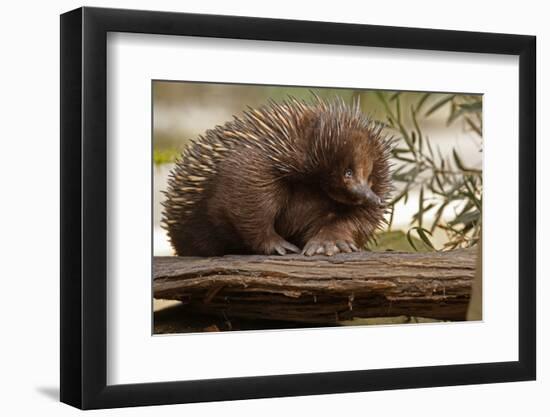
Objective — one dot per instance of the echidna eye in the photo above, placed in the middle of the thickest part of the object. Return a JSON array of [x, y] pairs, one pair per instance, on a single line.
[[348, 173]]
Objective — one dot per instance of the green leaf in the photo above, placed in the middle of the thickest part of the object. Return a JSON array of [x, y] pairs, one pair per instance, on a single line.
[[439, 104], [409, 238], [422, 101], [400, 150], [472, 195], [466, 218], [426, 209], [395, 96], [399, 196], [461, 165], [398, 109], [417, 127], [437, 216], [423, 234], [408, 141], [430, 150], [390, 221], [473, 126], [421, 206], [441, 159], [471, 107]]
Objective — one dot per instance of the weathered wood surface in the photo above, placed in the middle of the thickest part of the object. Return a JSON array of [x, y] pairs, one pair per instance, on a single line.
[[320, 289]]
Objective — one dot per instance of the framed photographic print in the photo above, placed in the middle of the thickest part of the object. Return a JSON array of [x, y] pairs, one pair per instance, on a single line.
[[257, 208]]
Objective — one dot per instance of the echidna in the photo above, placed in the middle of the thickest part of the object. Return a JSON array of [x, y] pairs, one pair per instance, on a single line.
[[286, 177]]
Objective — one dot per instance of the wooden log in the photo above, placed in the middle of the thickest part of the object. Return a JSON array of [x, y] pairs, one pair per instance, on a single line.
[[320, 289]]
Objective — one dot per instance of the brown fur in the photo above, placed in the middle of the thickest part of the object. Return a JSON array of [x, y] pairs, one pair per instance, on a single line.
[[277, 181]]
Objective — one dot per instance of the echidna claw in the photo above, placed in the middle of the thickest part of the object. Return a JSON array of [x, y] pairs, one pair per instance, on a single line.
[[344, 246], [282, 248]]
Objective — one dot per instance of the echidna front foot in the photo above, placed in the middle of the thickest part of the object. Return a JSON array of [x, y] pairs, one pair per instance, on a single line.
[[330, 242], [329, 247]]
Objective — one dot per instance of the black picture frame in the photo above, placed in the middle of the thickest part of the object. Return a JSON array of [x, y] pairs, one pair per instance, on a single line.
[[84, 207]]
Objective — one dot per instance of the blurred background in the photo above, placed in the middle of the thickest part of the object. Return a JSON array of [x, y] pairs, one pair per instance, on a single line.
[[437, 160]]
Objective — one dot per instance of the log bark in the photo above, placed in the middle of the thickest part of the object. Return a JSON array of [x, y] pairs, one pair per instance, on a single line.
[[321, 289]]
